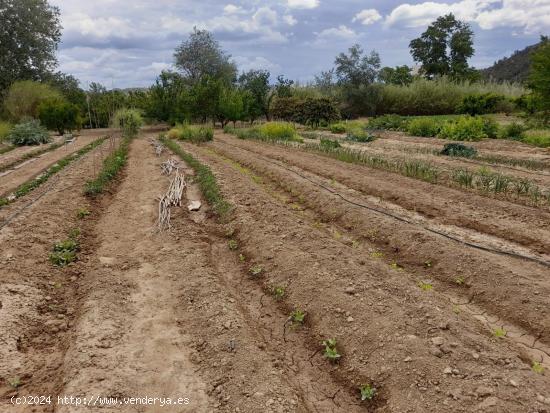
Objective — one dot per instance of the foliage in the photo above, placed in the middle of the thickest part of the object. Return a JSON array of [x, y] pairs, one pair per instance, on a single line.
[[201, 56], [444, 48], [24, 98], [129, 121], [256, 270], [400, 75], [297, 317], [285, 108], [204, 177], [464, 129], [256, 83], [359, 135], [329, 143], [191, 133], [479, 104], [29, 186], [539, 76], [277, 131], [231, 105], [60, 116], [513, 131], [5, 128], [457, 149], [112, 165], [388, 122], [338, 127], [499, 332], [232, 244], [29, 132], [539, 137], [514, 68], [330, 351], [367, 392], [424, 126], [355, 68], [64, 252], [29, 33], [314, 111], [537, 367]]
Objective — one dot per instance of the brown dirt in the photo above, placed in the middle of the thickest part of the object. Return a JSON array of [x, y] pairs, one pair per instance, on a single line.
[[178, 314], [17, 154]]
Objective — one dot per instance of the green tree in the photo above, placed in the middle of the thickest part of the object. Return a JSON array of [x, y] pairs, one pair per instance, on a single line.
[[69, 86], [60, 116], [357, 68], [24, 97], [444, 48], [29, 34], [201, 55], [283, 87], [539, 76], [231, 106], [256, 82], [400, 75]]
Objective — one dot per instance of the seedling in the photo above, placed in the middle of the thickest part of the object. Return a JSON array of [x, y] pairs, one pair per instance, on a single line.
[[428, 264], [230, 232], [331, 352], [242, 258], [64, 252], [367, 392], [232, 244], [499, 332], [14, 382], [460, 280], [82, 213], [297, 317], [355, 244], [256, 270], [278, 292], [426, 286], [396, 266], [74, 233], [377, 254], [537, 367]]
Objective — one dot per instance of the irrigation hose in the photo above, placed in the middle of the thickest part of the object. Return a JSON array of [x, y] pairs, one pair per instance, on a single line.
[[401, 219]]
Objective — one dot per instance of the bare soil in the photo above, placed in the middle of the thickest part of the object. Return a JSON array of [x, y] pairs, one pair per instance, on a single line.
[[403, 274]]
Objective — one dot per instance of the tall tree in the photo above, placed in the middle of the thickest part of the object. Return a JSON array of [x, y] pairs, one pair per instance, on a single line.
[[29, 34], [444, 48], [357, 68], [201, 55], [400, 75], [256, 82], [539, 76]]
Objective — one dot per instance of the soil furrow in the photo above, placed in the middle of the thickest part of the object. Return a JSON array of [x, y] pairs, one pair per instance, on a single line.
[[373, 311]]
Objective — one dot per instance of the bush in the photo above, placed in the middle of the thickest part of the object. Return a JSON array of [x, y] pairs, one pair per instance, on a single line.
[[457, 149], [195, 134], [24, 98], [359, 135], [479, 104], [513, 131], [59, 116], [311, 111], [277, 130], [5, 129], [464, 129], [427, 127], [388, 122], [338, 128], [540, 137], [329, 144], [29, 132], [129, 120]]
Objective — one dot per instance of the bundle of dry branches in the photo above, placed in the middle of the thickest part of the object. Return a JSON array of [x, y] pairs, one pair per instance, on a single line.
[[169, 166], [171, 198], [157, 145]]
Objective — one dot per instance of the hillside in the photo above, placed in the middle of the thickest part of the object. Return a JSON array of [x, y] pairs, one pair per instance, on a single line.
[[514, 68]]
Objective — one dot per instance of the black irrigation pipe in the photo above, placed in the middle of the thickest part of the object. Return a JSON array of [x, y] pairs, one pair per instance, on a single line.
[[401, 219]]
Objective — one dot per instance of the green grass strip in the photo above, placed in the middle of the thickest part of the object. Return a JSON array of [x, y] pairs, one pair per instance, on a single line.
[[6, 149], [31, 185], [112, 165], [204, 177], [31, 155]]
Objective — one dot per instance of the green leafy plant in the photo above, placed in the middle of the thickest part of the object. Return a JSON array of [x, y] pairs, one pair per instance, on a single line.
[[460, 280], [465, 128], [112, 165], [360, 135], [338, 128], [29, 132], [537, 367], [256, 270], [478, 104], [513, 131], [14, 382], [330, 351], [129, 121], [426, 286], [424, 126], [499, 332], [191, 133], [367, 392], [329, 143], [59, 116], [458, 149], [82, 213], [297, 316], [242, 258], [232, 244], [388, 122], [278, 292], [64, 252]]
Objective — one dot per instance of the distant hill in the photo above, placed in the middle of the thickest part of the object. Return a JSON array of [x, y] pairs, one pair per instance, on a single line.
[[512, 69]]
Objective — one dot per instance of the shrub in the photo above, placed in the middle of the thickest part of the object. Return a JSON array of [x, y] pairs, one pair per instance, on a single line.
[[388, 122], [59, 116], [427, 127], [24, 98], [457, 149], [329, 144], [314, 111], [479, 104], [490, 127], [129, 120], [359, 135], [5, 129], [195, 134], [29, 132], [338, 128], [277, 131], [513, 130], [540, 137], [464, 129]]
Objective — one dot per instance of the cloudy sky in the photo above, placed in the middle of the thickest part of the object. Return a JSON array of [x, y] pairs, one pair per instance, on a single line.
[[127, 43]]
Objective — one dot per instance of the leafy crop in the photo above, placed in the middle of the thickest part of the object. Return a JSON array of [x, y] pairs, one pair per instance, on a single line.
[[329, 143], [111, 167], [330, 351], [256, 270], [499, 332], [29, 132], [388, 122], [232, 244], [367, 392], [297, 317], [359, 135], [458, 149], [64, 252]]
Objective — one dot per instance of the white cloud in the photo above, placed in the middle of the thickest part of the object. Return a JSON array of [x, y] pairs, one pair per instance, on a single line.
[[341, 32], [232, 9], [101, 27], [529, 15], [289, 19], [367, 16], [258, 62], [302, 4]]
